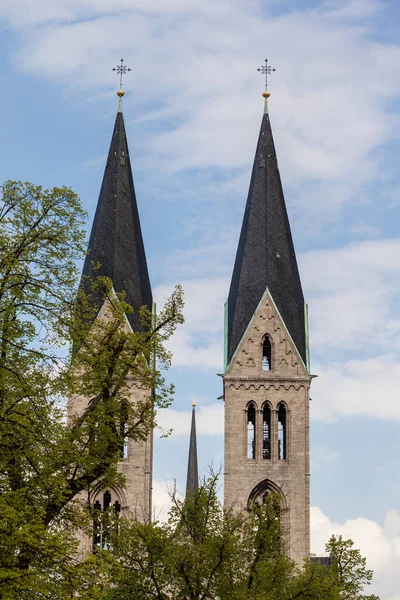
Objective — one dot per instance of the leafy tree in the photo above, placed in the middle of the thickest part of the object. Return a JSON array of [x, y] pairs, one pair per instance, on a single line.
[[350, 569], [46, 466], [206, 553]]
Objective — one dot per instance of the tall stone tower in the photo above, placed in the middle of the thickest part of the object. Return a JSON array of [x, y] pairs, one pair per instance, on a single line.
[[266, 378], [116, 244]]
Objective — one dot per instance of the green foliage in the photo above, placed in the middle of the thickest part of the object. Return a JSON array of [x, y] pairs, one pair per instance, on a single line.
[[48, 467], [350, 569], [206, 553]]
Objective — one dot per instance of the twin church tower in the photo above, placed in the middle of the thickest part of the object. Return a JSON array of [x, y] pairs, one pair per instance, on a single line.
[[266, 376]]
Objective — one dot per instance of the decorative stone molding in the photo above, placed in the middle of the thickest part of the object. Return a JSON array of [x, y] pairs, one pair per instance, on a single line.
[[267, 383], [261, 488]]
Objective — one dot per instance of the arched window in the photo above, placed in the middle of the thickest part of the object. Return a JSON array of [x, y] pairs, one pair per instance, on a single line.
[[103, 518], [251, 431], [282, 431], [267, 354], [262, 491], [270, 500], [266, 431]]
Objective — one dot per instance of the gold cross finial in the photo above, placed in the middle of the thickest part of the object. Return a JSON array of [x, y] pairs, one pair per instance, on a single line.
[[121, 69]]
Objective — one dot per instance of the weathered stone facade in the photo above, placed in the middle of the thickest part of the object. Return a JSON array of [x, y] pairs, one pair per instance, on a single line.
[[135, 499], [247, 479]]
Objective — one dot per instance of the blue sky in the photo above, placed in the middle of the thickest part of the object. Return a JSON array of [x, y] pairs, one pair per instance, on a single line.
[[192, 109]]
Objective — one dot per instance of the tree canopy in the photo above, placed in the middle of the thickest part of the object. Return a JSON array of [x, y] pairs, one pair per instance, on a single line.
[[45, 463], [206, 552]]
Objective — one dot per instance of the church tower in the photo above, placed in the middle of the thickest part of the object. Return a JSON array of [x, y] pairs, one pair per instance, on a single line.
[[266, 378], [116, 251]]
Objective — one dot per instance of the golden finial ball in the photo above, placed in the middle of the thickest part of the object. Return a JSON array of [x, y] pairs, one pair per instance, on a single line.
[[193, 403], [120, 93], [266, 95]]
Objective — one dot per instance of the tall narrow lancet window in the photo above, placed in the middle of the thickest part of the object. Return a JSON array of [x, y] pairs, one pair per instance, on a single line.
[[251, 431], [96, 526], [125, 449], [267, 354], [117, 510], [106, 500], [282, 431], [105, 512], [266, 431]]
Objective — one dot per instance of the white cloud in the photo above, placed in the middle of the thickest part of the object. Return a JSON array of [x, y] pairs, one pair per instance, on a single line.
[[209, 419], [357, 387], [198, 61], [358, 9], [321, 457], [21, 13], [187, 354], [198, 343], [381, 546], [353, 296], [162, 499], [354, 310]]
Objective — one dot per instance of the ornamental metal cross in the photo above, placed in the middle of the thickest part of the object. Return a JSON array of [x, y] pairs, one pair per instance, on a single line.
[[266, 70], [121, 70]]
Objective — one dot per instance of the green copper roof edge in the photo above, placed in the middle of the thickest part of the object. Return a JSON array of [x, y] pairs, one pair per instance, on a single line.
[[265, 294], [307, 337], [225, 335]]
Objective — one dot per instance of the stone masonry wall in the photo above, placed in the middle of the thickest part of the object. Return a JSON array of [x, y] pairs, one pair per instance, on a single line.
[[136, 497], [287, 382]]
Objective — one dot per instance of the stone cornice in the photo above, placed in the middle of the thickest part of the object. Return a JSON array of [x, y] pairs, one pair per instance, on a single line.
[[266, 379], [267, 382]]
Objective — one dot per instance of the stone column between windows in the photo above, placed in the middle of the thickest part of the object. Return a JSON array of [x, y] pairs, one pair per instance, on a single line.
[[274, 436], [259, 434], [245, 433]]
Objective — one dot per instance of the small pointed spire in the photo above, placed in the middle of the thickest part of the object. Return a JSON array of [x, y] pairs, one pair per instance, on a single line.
[[192, 482]]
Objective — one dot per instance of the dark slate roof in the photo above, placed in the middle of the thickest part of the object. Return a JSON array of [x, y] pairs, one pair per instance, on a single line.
[[192, 482], [265, 257], [326, 561], [116, 239]]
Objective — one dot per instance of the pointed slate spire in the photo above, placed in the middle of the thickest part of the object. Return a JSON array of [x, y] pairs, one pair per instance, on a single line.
[[192, 482], [265, 257], [116, 241]]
